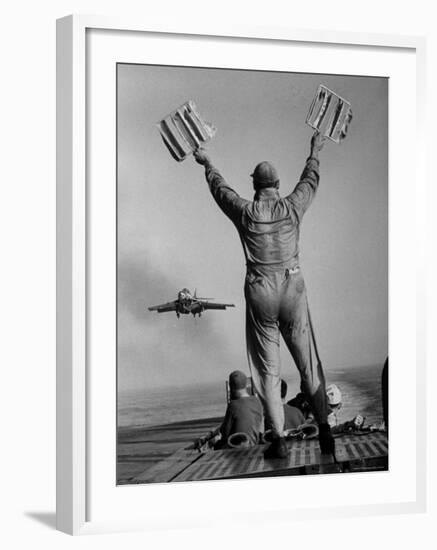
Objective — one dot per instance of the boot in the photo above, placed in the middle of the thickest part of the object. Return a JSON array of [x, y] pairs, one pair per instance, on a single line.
[[277, 449], [326, 441]]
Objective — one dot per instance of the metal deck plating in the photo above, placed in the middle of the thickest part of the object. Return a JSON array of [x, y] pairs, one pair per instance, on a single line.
[[353, 453]]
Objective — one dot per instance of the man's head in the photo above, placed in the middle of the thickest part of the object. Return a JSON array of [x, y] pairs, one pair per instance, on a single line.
[[265, 175], [237, 383]]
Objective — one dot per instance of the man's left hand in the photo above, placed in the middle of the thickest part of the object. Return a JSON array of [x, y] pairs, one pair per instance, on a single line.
[[317, 142], [201, 157]]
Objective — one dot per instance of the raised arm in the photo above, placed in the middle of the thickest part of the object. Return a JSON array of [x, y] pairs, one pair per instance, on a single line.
[[228, 200], [304, 192]]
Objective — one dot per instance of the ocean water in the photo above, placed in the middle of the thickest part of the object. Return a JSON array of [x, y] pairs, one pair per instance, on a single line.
[[360, 387], [164, 406]]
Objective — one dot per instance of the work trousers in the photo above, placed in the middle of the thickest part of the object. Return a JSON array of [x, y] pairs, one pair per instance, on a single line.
[[276, 303]]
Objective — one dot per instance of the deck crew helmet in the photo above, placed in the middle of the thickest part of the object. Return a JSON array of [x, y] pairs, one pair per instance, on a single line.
[[237, 380], [333, 394], [265, 175]]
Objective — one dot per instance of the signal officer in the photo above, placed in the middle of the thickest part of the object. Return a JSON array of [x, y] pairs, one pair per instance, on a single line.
[[276, 300]]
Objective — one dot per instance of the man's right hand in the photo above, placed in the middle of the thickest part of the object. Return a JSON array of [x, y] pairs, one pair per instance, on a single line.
[[317, 143], [201, 157]]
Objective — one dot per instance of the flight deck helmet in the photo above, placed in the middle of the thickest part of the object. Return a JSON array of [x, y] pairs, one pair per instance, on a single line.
[[265, 175], [333, 394], [237, 380]]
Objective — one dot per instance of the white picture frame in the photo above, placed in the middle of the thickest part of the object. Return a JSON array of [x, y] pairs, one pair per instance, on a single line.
[[73, 339]]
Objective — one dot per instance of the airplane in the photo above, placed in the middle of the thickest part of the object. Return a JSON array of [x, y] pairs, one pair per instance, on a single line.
[[188, 303]]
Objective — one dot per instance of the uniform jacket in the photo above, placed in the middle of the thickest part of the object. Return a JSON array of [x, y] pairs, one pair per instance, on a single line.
[[269, 225]]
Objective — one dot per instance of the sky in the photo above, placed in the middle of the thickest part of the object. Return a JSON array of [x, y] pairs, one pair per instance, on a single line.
[[172, 235]]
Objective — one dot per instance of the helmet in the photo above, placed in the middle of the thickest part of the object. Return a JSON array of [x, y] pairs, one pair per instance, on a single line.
[[237, 380], [333, 394], [265, 174]]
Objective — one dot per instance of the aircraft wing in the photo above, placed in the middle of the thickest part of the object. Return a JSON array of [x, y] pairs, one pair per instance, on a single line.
[[213, 305], [163, 308]]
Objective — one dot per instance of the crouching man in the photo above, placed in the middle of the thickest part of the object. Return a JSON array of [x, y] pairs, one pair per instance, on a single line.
[[244, 415]]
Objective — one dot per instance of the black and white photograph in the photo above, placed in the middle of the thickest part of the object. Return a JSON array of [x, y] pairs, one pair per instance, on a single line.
[[218, 275], [252, 274]]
